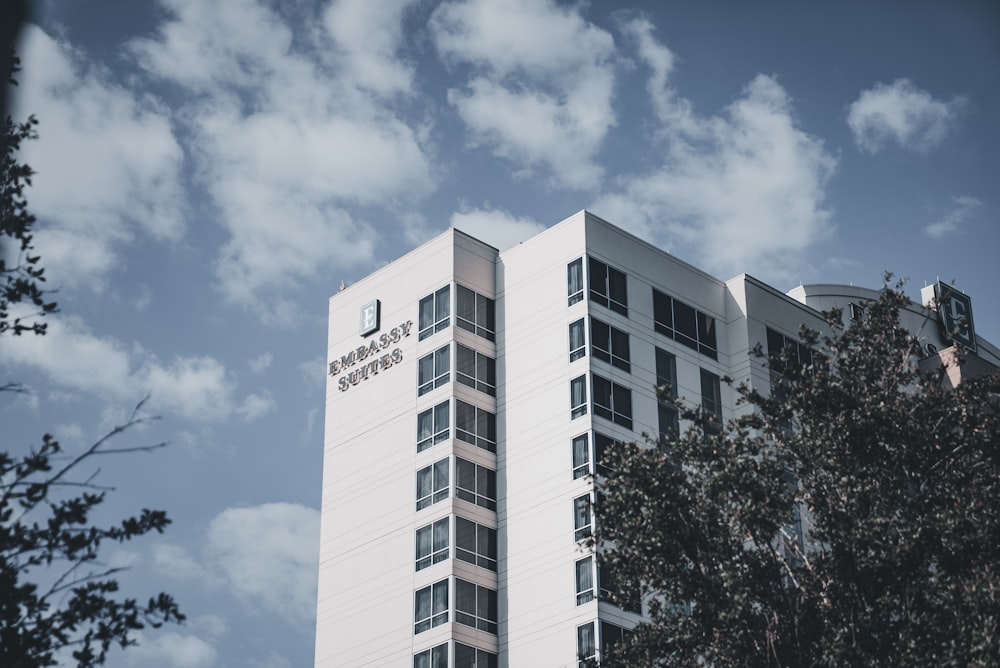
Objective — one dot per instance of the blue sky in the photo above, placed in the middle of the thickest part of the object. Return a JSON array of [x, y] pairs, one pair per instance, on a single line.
[[209, 172]]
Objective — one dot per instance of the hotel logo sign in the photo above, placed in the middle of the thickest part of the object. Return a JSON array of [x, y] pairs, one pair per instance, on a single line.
[[370, 313], [366, 361], [955, 311]]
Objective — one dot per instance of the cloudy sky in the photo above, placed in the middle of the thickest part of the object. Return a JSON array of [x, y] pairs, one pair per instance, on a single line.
[[209, 172]]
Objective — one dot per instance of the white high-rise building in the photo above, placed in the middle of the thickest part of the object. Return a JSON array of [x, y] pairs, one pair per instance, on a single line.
[[469, 394]]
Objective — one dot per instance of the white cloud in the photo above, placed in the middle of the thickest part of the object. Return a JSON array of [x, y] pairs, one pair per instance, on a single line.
[[74, 357], [496, 227], [107, 163], [542, 93], [255, 405], [168, 648], [961, 210], [739, 191], [174, 561], [902, 113], [268, 555], [367, 35], [272, 660], [285, 140], [262, 362]]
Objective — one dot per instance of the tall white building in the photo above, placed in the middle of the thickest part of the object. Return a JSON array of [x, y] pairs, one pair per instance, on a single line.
[[469, 394]]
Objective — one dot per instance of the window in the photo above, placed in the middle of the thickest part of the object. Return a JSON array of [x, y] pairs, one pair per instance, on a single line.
[[475, 543], [434, 312], [666, 374], [476, 370], [611, 635], [668, 421], [609, 344], [578, 397], [711, 399], [585, 580], [800, 355], [473, 657], [586, 647], [582, 519], [436, 657], [476, 484], [608, 287], [577, 340], [430, 606], [432, 426], [476, 426], [666, 390], [475, 606], [432, 484], [612, 401], [601, 444], [433, 370], [608, 589], [475, 313], [574, 280], [581, 456], [432, 543], [684, 324]]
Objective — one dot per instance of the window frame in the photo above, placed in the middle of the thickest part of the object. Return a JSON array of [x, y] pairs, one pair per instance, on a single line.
[[483, 476], [483, 308], [438, 432], [578, 397], [586, 644], [700, 336], [578, 348], [608, 286], [620, 398], [617, 353], [440, 305], [484, 556], [440, 370], [436, 552], [481, 658], [439, 489], [585, 580], [583, 517], [435, 616], [581, 455], [711, 399], [487, 385], [436, 657], [574, 282], [484, 424], [485, 616]]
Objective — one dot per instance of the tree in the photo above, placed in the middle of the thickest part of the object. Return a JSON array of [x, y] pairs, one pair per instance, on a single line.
[[21, 275], [47, 537], [848, 518], [57, 599]]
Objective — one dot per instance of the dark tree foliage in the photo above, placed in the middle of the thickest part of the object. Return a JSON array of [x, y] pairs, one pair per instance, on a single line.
[[893, 478], [21, 275], [57, 599]]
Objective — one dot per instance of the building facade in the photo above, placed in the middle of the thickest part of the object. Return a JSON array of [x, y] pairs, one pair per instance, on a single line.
[[469, 395]]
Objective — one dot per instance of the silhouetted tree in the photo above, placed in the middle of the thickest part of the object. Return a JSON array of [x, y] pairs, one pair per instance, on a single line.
[[57, 599], [849, 518]]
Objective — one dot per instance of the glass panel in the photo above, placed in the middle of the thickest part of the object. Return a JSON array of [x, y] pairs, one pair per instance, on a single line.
[[584, 581], [577, 342], [581, 456], [685, 324]]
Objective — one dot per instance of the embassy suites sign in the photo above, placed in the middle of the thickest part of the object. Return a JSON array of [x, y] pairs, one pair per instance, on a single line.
[[366, 361]]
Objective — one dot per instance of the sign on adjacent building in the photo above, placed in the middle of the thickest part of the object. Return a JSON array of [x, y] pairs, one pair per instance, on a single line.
[[955, 310]]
